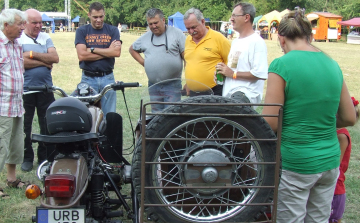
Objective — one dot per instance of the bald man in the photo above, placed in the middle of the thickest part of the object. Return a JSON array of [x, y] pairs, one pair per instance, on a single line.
[[39, 56]]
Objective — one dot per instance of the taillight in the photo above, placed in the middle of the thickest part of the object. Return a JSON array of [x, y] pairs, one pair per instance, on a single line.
[[60, 185]]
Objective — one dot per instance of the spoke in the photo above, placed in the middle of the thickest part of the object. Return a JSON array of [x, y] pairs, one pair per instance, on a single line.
[[187, 141], [204, 208], [185, 199], [169, 174], [229, 201]]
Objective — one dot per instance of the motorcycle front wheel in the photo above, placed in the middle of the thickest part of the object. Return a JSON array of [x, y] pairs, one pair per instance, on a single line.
[[206, 173]]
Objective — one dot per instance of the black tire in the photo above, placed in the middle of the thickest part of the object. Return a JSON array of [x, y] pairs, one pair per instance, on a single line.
[[208, 151]]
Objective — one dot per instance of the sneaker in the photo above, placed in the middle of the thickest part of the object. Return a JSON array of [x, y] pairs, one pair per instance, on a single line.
[[26, 166]]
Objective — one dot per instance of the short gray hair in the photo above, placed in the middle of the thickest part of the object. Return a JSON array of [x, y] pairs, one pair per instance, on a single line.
[[247, 8], [196, 12], [151, 13], [8, 16]]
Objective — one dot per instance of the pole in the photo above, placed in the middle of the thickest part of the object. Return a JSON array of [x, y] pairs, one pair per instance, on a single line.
[[69, 15], [6, 4]]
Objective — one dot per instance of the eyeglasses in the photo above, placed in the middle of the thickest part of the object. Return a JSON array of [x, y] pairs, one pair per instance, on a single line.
[[234, 15]]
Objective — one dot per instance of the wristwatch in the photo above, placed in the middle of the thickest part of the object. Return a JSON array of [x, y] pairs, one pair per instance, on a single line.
[[92, 49]]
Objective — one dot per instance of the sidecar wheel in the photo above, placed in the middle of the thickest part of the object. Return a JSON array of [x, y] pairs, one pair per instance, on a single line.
[[227, 151]]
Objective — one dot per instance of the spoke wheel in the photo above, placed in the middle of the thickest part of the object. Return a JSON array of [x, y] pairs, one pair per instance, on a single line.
[[206, 173]]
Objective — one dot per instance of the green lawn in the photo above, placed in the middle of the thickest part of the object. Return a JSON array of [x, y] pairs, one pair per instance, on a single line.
[[67, 74]]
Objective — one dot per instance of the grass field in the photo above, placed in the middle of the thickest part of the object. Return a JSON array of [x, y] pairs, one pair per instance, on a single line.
[[67, 74]]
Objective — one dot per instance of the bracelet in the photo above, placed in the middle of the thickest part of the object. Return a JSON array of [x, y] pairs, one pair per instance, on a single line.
[[234, 75], [31, 54]]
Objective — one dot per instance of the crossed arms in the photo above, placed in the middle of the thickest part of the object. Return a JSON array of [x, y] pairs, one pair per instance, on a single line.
[[41, 59], [84, 54]]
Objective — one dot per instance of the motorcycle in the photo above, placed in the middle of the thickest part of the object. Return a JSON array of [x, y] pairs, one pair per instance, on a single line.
[[79, 182], [205, 158]]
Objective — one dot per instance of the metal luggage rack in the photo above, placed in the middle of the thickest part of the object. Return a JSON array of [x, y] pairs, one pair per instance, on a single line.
[[271, 205]]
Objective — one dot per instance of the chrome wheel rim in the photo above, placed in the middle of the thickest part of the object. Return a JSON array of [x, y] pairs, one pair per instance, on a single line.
[[206, 174]]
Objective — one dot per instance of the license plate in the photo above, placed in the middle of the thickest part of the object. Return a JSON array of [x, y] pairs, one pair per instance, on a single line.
[[71, 215]]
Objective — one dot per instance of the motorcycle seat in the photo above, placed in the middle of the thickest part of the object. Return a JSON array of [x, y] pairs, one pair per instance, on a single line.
[[65, 138]]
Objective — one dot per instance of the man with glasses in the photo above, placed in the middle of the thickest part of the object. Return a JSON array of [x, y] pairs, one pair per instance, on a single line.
[[163, 48], [204, 48], [39, 57], [247, 66], [97, 45]]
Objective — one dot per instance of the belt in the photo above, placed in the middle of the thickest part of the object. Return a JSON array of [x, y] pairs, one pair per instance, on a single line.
[[97, 73]]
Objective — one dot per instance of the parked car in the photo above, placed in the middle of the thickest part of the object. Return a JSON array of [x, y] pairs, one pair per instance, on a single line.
[[124, 28]]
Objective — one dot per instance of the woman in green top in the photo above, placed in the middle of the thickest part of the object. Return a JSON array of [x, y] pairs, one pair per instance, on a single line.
[[310, 86]]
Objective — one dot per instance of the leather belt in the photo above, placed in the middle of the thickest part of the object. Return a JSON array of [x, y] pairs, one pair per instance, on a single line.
[[97, 73]]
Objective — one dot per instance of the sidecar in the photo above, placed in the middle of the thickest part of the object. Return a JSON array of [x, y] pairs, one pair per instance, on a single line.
[[205, 158]]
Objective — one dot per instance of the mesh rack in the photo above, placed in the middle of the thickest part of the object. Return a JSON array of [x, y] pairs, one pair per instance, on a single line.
[[211, 167]]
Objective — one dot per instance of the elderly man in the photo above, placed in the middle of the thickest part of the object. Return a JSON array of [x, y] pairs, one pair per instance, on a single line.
[[39, 57], [12, 23], [163, 48], [204, 48], [247, 66], [97, 45]]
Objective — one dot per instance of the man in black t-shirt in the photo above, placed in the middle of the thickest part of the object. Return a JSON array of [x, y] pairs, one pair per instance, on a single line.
[[97, 44]]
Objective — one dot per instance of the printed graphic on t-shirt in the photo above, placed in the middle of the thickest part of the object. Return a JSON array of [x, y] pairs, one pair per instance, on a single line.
[[98, 39], [234, 58]]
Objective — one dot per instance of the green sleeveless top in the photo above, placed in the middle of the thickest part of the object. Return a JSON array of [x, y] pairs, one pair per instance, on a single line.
[[314, 81]]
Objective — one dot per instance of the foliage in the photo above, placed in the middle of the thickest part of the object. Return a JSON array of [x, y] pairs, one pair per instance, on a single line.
[[133, 11]]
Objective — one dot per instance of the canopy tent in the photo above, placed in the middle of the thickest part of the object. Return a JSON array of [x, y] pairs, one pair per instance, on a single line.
[[76, 19], [271, 17], [256, 19], [177, 20], [351, 22], [46, 18]]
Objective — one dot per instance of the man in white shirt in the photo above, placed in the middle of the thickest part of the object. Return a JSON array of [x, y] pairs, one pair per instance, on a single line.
[[247, 66]]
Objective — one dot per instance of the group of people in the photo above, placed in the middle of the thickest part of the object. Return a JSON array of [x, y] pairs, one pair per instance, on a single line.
[[27, 56], [203, 52], [312, 91]]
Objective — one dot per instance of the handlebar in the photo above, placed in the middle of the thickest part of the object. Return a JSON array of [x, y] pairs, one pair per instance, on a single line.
[[115, 86]]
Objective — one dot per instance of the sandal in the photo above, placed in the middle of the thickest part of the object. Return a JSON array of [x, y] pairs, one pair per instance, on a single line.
[[2, 194], [17, 184]]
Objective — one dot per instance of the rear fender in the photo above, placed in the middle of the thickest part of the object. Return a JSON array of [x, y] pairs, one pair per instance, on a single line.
[[76, 167]]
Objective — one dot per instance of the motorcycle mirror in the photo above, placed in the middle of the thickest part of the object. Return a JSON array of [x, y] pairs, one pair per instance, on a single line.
[[33, 191]]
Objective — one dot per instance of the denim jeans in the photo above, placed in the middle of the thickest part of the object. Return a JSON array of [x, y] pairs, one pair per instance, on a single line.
[[168, 91], [108, 101]]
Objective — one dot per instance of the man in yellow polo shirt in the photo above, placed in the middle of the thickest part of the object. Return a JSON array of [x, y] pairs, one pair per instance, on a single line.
[[204, 48]]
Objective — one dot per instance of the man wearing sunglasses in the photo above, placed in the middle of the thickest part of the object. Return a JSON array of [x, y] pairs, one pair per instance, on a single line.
[[39, 57], [247, 66], [163, 48]]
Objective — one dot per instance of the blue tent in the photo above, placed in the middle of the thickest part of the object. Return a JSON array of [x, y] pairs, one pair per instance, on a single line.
[[46, 18], [177, 20], [76, 19]]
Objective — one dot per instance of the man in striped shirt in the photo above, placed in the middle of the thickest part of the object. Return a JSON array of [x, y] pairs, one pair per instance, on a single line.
[[12, 23]]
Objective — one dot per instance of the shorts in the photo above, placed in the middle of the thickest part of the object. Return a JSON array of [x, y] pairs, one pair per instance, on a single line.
[[337, 207], [11, 140]]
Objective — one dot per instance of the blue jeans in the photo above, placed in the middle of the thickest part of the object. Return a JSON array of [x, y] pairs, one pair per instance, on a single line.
[[108, 101], [169, 91]]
